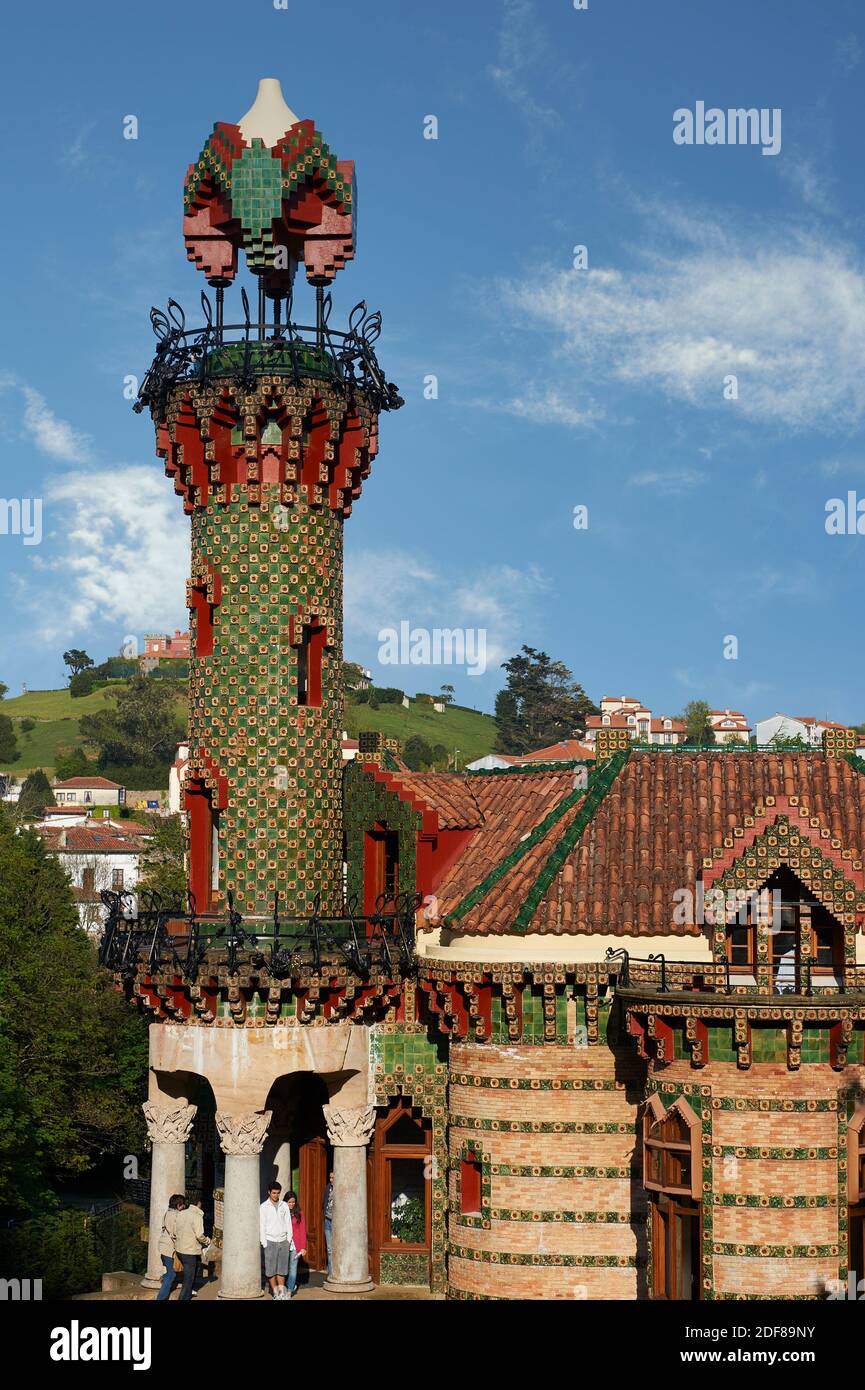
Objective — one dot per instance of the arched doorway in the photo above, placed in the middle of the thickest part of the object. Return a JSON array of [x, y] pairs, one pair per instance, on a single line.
[[297, 1153]]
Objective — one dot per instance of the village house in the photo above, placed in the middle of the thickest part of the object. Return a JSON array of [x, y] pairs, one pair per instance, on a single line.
[[729, 726], [624, 712], [96, 855], [88, 791]]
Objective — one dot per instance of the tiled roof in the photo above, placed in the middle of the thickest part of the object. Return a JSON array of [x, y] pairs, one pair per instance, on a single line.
[[511, 806], [450, 796], [86, 839], [97, 783], [648, 835], [567, 751]]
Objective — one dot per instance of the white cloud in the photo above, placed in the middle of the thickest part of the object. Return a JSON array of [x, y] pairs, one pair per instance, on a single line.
[[51, 435], [383, 590], [784, 312], [670, 483], [521, 50], [807, 179], [547, 407], [120, 554], [849, 52]]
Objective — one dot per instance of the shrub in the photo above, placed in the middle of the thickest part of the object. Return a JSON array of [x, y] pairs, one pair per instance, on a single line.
[[82, 684]]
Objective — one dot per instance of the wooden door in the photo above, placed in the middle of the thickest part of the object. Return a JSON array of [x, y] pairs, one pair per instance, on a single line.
[[314, 1159]]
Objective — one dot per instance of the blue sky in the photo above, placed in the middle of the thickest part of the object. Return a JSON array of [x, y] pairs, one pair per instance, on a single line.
[[557, 387]]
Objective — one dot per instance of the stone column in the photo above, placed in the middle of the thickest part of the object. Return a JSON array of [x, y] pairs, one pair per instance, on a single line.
[[168, 1128], [349, 1132], [242, 1138]]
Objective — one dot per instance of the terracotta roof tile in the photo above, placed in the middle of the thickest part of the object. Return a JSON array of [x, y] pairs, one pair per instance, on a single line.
[[663, 814]]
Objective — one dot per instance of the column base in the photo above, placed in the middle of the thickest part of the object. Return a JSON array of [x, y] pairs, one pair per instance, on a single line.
[[148, 1283], [241, 1297], [359, 1286]]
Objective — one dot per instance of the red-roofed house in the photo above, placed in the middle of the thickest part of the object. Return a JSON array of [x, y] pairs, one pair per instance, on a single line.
[[730, 726], [96, 855], [89, 791], [626, 712]]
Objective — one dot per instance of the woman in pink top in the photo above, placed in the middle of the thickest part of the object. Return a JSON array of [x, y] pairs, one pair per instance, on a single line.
[[298, 1224]]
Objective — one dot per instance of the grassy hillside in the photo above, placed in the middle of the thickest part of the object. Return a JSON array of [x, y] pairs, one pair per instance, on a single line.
[[57, 716], [472, 733], [56, 729]]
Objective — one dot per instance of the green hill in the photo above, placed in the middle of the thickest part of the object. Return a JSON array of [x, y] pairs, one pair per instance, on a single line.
[[57, 716], [56, 728], [468, 730]]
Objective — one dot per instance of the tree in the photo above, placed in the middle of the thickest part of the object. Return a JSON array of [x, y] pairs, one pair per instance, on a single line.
[[77, 660], [74, 764], [143, 729], [36, 794], [794, 741], [163, 870], [73, 1055], [447, 694], [352, 675], [540, 704], [82, 684], [3, 690], [698, 728], [9, 750], [417, 753]]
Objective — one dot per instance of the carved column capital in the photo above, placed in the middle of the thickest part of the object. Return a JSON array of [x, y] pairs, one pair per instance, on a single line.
[[243, 1134], [169, 1124], [349, 1128]]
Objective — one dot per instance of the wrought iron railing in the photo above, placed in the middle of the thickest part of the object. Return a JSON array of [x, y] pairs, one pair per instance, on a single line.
[[243, 351], [657, 974], [144, 934]]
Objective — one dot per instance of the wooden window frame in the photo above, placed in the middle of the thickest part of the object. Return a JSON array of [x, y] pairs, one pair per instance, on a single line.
[[672, 1208], [472, 1165], [382, 1156], [856, 1159], [655, 1114]]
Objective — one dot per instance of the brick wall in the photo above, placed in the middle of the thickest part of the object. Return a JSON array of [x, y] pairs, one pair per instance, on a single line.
[[563, 1210], [774, 1174]]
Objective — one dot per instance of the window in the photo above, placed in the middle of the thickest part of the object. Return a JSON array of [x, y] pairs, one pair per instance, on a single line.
[[856, 1194], [203, 844], [87, 876], [800, 928], [88, 796], [470, 1186], [676, 1248], [672, 1175], [381, 867], [116, 878], [401, 1211], [668, 1154], [309, 655]]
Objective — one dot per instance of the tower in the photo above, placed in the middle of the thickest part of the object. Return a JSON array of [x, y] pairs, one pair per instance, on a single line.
[[268, 430]]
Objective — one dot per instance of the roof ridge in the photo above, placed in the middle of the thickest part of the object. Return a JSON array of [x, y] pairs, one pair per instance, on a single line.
[[600, 783], [478, 893], [524, 769]]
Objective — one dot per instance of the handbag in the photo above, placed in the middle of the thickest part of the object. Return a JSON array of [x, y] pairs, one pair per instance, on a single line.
[[177, 1263]]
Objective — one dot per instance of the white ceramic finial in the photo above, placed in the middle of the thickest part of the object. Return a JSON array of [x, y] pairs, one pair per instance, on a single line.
[[268, 117]]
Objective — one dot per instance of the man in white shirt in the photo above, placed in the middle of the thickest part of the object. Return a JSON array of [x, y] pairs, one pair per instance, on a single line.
[[276, 1239]]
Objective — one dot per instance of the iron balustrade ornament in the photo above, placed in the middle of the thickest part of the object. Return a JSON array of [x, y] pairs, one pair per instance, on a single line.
[[622, 955], [243, 351], [149, 940]]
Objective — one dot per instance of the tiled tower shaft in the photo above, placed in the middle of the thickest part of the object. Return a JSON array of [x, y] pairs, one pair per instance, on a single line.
[[268, 476]]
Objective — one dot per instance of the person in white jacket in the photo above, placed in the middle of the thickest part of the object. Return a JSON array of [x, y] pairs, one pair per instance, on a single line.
[[276, 1240]]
